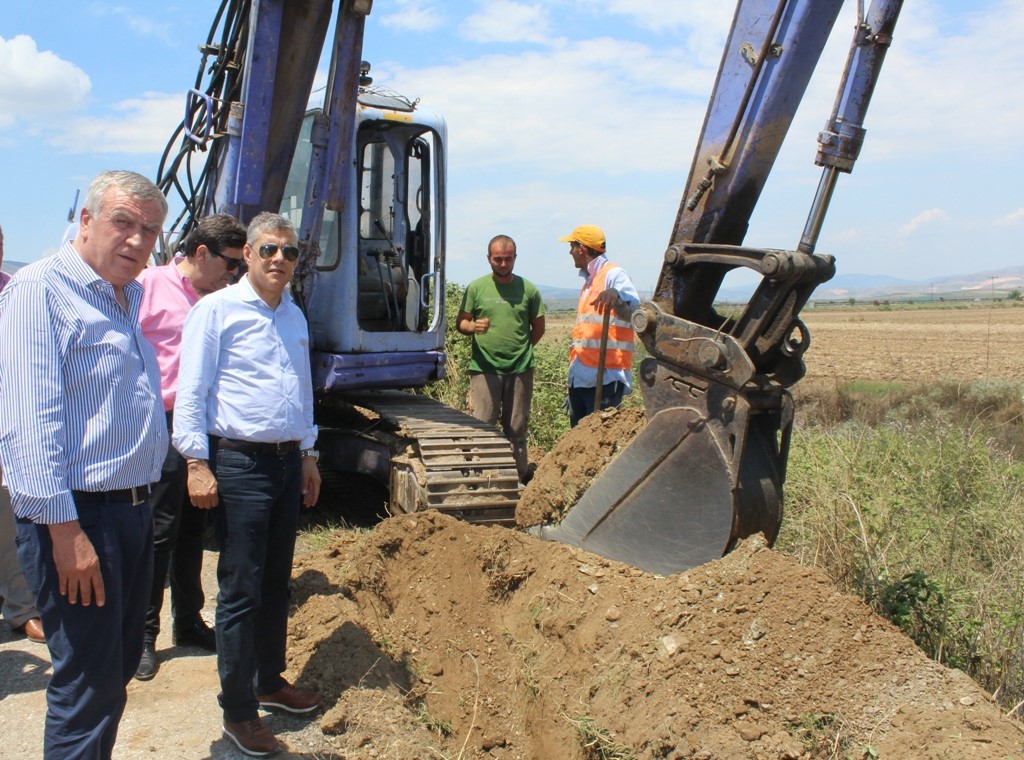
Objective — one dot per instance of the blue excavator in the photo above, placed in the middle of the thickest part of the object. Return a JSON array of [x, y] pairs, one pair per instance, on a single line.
[[362, 175]]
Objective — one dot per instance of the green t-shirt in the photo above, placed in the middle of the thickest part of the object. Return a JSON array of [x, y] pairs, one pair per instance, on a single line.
[[505, 348]]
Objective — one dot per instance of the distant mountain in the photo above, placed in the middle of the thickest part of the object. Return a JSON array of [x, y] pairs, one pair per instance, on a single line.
[[13, 266], [551, 294], [863, 287], [987, 284]]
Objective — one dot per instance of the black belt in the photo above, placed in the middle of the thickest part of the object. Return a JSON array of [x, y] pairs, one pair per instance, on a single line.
[[255, 447], [136, 495]]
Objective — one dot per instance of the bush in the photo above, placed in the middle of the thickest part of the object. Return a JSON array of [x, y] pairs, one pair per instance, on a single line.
[[923, 517], [454, 389]]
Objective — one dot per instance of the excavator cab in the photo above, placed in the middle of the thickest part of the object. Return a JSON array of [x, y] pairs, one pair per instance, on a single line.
[[373, 283]]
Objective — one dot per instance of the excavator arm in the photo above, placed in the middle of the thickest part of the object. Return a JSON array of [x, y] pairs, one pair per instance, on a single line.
[[244, 115], [709, 468]]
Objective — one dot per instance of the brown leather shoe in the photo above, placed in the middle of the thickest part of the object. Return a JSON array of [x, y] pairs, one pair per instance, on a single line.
[[291, 698], [33, 630], [252, 737]]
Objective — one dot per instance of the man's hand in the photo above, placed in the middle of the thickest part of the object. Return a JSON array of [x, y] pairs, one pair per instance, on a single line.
[[202, 485], [78, 567], [608, 298], [310, 482]]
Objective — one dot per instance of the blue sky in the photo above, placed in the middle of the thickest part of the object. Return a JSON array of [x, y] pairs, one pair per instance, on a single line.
[[560, 113]]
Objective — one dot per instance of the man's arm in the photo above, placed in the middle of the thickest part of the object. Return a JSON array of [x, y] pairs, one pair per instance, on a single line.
[[310, 482], [200, 349], [536, 330], [619, 294], [78, 567], [32, 431], [466, 325]]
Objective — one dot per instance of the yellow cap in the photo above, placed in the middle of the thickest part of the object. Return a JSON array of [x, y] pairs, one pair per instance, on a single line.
[[590, 235]]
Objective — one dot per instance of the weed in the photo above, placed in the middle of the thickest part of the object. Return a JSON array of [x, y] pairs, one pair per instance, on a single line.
[[597, 742], [424, 718], [528, 656], [822, 735]]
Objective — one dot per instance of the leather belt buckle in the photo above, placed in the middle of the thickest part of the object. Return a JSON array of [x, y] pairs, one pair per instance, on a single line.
[[139, 494]]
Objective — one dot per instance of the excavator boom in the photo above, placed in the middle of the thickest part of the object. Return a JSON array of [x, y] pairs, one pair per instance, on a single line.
[[709, 467]]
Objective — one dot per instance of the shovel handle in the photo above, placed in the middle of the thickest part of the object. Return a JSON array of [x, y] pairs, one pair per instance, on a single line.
[[601, 355]]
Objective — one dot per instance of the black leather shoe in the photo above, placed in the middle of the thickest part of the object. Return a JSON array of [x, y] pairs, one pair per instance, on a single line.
[[196, 635], [149, 664]]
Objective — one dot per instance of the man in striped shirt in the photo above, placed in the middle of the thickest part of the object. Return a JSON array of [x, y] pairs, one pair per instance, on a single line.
[[82, 435]]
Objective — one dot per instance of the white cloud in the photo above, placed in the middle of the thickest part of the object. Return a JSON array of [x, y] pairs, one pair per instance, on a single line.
[[138, 23], [412, 15], [137, 125], [1017, 217], [507, 21], [672, 15], [37, 84], [938, 90], [924, 219], [602, 107]]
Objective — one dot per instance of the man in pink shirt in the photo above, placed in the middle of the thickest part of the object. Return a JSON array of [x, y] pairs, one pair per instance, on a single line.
[[213, 257]]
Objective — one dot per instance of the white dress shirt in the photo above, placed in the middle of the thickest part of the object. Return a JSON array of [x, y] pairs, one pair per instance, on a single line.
[[244, 372]]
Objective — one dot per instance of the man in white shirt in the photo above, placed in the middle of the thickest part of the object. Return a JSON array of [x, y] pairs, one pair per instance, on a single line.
[[243, 420]]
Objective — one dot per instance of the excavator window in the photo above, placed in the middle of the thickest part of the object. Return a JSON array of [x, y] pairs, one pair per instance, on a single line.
[[396, 218]]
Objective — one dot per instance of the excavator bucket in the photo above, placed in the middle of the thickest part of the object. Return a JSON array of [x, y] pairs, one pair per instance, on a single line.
[[700, 476]]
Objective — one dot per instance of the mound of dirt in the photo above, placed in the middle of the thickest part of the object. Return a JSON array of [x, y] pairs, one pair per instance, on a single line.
[[433, 638], [563, 475]]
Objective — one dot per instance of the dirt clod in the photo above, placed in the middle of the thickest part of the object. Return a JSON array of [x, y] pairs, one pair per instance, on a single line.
[[582, 453]]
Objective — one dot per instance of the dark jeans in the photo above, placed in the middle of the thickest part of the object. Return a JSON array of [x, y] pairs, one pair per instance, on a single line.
[[581, 400], [256, 522], [178, 530], [94, 650]]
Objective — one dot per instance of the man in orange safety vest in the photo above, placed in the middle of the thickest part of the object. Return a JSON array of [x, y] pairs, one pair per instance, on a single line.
[[606, 286]]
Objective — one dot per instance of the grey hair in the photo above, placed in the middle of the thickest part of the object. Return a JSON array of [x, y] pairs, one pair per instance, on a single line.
[[131, 184], [265, 222]]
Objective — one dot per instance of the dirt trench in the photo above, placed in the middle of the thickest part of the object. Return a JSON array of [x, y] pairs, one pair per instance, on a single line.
[[433, 638]]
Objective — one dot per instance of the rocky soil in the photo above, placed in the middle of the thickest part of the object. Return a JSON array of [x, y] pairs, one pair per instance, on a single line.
[[433, 638]]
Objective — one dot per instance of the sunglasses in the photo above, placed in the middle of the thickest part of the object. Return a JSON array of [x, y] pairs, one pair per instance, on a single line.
[[231, 263], [290, 252]]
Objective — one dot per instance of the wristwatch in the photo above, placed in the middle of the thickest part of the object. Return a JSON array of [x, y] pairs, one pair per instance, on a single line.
[[310, 453]]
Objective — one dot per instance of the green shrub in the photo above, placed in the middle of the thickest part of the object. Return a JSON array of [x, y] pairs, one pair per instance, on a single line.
[[923, 517], [453, 390]]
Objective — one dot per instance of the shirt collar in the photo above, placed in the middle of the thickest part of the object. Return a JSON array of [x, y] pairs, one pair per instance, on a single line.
[[250, 295], [185, 281], [81, 271], [593, 267]]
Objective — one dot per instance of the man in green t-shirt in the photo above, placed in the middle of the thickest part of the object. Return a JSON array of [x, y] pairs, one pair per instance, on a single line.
[[505, 316]]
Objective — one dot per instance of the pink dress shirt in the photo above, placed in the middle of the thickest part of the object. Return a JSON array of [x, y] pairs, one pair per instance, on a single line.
[[166, 302]]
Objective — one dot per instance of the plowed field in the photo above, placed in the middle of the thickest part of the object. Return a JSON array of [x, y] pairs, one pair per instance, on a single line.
[[915, 344]]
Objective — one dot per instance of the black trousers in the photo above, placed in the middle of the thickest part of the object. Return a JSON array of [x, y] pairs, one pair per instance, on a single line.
[[178, 530]]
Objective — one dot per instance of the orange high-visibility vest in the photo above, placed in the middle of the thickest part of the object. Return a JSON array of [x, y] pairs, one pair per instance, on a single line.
[[586, 334]]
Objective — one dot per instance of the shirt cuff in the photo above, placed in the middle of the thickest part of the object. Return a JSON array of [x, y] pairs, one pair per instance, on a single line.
[[192, 446]]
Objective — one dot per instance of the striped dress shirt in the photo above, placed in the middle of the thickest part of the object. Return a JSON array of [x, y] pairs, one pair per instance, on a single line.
[[80, 404]]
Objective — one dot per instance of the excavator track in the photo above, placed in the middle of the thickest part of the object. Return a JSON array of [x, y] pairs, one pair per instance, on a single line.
[[452, 462]]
